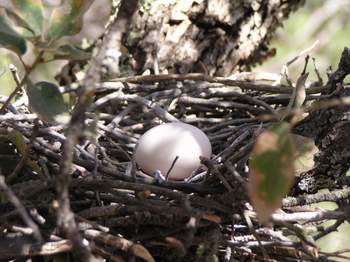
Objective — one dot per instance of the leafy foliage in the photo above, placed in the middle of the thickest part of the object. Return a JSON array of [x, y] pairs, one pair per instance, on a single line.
[[67, 19], [41, 24], [10, 39], [31, 11], [271, 169]]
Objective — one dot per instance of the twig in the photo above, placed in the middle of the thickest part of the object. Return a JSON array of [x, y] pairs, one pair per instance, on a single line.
[[317, 105], [310, 216], [20, 208], [319, 78], [235, 174], [28, 70], [208, 163], [334, 196], [337, 253], [303, 52], [244, 85], [21, 247], [218, 92], [253, 232], [329, 229], [10, 107], [299, 232], [17, 117], [232, 147], [105, 254], [119, 243], [217, 103], [160, 112], [171, 167], [12, 177]]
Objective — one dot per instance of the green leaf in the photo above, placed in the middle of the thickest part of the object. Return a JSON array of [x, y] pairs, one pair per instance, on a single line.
[[31, 11], [10, 39], [18, 140], [24, 28], [67, 19], [271, 169], [47, 102]]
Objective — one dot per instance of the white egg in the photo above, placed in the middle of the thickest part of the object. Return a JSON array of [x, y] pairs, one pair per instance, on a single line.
[[159, 146]]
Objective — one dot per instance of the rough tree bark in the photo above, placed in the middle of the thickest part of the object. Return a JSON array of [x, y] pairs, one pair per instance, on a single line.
[[207, 36], [330, 128]]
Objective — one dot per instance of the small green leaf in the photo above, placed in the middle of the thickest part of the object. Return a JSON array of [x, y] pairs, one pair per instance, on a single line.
[[47, 102], [18, 140], [271, 169], [10, 39], [67, 18], [31, 11]]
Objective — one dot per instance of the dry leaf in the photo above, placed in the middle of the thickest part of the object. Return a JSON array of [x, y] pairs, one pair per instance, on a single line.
[[176, 244], [271, 170], [305, 156], [211, 218], [142, 252]]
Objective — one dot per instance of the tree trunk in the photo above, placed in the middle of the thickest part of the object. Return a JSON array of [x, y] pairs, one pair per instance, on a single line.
[[217, 37], [330, 128]]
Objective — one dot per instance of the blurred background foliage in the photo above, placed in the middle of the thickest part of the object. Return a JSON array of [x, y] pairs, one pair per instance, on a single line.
[[324, 20], [94, 22]]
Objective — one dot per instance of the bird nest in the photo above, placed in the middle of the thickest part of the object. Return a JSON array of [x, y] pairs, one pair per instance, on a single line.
[[126, 214]]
